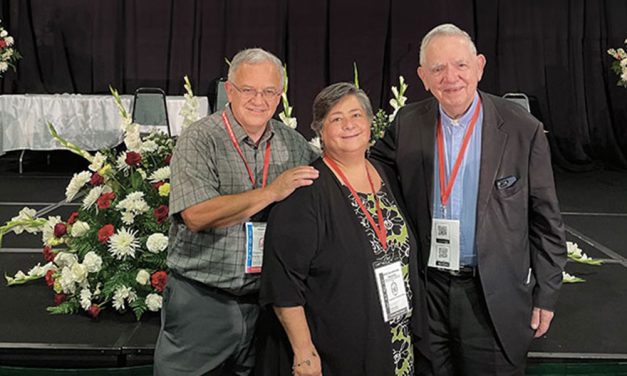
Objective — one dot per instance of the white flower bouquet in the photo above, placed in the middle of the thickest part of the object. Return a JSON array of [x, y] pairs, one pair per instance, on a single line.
[[619, 65], [111, 252]]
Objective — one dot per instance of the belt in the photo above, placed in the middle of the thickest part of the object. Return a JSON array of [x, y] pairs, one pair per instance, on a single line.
[[464, 271]]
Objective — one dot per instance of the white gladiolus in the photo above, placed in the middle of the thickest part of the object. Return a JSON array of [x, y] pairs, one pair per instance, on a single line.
[[154, 302], [143, 277], [157, 242], [78, 181], [79, 228], [85, 298], [93, 262], [25, 214], [97, 162]]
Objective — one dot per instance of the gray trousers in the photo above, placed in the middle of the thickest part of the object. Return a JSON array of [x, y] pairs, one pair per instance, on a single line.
[[204, 331]]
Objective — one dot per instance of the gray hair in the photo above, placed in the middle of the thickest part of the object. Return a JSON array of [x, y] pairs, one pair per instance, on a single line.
[[254, 56], [444, 30], [332, 95]]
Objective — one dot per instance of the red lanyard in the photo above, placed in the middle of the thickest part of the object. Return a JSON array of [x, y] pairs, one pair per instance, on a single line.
[[445, 189], [380, 229], [266, 158]]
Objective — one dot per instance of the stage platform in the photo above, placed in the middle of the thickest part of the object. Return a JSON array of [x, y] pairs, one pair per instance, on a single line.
[[587, 336]]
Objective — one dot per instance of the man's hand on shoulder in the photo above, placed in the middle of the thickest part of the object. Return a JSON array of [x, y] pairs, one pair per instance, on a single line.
[[541, 321], [286, 183]]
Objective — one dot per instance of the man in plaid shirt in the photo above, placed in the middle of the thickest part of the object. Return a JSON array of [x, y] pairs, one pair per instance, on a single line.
[[227, 169]]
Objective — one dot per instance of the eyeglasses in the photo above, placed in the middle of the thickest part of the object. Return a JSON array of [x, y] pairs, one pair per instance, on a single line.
[[248, 92]]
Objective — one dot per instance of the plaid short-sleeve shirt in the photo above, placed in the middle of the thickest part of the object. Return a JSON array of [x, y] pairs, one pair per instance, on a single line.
[[205, 165]]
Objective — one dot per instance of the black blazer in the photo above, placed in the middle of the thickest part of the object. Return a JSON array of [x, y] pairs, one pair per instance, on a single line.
[[519, 226]]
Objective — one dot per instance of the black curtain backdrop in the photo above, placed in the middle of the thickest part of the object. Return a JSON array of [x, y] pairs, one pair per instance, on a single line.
[[555, 51]]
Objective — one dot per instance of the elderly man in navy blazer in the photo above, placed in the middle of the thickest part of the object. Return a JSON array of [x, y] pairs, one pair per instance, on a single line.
[[476, 175]]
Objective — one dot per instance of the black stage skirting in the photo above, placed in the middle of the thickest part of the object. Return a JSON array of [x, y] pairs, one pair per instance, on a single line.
[[589, 324]]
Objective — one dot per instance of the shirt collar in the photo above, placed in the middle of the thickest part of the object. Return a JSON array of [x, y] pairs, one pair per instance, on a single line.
[[464, 120]]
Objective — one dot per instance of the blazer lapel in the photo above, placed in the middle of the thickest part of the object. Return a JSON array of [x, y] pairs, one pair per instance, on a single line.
[[427, 139], [493, 142]]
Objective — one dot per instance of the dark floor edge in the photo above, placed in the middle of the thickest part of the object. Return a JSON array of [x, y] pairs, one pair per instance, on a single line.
[[548, 355]]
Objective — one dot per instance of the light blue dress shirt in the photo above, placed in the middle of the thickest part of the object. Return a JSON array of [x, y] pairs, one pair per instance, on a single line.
[[462, 204]]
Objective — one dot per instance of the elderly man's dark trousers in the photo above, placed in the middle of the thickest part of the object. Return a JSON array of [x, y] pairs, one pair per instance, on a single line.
[[463, 339]]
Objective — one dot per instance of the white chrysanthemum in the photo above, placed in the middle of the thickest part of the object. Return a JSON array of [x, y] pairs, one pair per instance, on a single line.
[[93, 262], [68, 286], [123, 293], [65, 259], [79, 228], [9, 41], [161, 174], [133, 202], [154, 302], [94, 194], [157, 242], [47, 232], [143, 277], [85, 297], [24, 215], [123, 244], [128, 218], [78, 181], [98, 162], [148, 147], [120, 163]]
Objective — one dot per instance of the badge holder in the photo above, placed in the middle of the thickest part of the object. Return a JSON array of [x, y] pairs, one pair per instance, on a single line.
[[391, 287], [255, 233]]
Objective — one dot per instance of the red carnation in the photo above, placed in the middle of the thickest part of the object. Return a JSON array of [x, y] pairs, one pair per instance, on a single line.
[[73, 218], [48, 254], [60, 229], [2, 43], [94, 311], [96, 179], [104, 201], [49, 277], [133, 158], [158, 280], [167, 159], [161, 213], [105, 233], [59, 298]]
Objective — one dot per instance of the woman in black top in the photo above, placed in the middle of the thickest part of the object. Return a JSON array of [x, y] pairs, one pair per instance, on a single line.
[[340, 263]]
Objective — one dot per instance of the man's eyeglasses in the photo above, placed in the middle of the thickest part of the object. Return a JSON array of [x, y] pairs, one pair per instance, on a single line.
[[248, 92]]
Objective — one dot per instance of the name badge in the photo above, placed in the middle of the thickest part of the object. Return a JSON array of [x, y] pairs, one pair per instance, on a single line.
[[255, 232], [392, 293], [444, 253]]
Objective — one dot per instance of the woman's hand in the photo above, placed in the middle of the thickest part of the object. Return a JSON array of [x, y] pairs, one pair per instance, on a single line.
[[307, 363]]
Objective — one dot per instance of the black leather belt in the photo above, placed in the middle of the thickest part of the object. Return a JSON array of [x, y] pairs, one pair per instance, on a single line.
[[464, 271]]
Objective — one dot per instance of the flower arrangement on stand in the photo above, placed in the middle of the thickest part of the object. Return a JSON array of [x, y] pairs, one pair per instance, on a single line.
[[577, 255], [619, 65], [8, 54], [111, 251]]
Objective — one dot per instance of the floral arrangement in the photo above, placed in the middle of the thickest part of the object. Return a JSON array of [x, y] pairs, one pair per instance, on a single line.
[[286, 115], [8, 54], [111, 252], [619, 65]]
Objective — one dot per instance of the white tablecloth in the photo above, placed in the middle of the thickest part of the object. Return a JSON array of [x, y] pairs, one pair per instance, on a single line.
[[89, 121]]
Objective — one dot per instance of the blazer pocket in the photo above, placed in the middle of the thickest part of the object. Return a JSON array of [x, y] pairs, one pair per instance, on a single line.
[[507, 186]]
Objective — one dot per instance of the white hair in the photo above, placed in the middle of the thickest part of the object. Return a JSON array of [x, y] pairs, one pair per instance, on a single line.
[[254, 56], [447, 29]]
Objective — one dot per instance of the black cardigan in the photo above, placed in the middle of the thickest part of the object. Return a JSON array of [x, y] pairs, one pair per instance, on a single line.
[[317, 255]]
